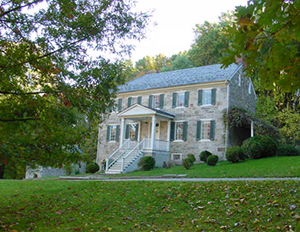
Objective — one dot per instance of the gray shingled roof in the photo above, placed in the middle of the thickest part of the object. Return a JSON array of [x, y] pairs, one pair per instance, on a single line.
[[179, 77]]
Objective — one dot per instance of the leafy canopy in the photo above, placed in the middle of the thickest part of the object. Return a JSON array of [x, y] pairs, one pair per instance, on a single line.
[[267, 35], [54, 77]]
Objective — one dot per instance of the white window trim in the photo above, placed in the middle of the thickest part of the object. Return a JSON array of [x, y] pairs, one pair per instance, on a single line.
[[156, 94], [240, 79], [172, 155], [112, 141], [178, 140], [182, 91], [204, 105], [204, 140]]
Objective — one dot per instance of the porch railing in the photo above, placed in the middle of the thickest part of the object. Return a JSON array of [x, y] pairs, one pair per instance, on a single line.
[[159, 145], [117, 154]]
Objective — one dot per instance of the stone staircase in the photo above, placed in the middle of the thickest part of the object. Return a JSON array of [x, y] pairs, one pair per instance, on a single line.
[[125, 159]]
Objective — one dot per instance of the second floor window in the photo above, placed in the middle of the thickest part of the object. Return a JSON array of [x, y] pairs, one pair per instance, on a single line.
[[207, 97], [156, 101], [180, 99], [133, 100]]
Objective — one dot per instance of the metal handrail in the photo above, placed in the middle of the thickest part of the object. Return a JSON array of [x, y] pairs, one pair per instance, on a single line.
[[121, 147], [135, 148]]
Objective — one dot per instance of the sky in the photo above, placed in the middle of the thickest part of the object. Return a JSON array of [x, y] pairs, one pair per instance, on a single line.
[[175, 21]]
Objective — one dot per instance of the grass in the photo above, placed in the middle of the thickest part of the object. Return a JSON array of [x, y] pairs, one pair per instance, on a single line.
[[149, 206], [268, 167]]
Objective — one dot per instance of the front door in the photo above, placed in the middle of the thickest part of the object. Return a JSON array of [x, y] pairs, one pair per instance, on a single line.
[[157, 130]]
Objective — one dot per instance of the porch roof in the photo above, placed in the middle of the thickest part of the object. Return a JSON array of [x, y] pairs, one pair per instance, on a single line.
[[138, 110]]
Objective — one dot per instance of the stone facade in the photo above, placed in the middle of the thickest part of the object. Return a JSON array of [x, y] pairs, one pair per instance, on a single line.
[[229, 92]]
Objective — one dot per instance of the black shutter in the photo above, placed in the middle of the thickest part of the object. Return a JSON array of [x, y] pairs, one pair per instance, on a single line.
[[198, 135], [150, 101], [172, 131], [107, 133], [212, 129], [161, 101], [185, 130], [118, 133], [136, 132], [139, 100], [200, 95], [174, 100], [213, 96], [129, 101], [127, 130], [119, 104], [186, 99]]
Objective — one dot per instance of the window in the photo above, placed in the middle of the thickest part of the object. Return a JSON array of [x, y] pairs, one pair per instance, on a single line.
[[176, 157], [119, 105], [178, 131], [133, 100], [113, 133], [205, 130], [131, 132], [180, 99], [156, 101], [207, 97]]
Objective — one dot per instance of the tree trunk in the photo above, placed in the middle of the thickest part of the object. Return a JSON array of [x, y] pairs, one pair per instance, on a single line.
[[2, 168]]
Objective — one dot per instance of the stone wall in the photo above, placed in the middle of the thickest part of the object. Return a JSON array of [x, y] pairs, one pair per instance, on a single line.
[[239, 95], [48, 171], [191, 114]]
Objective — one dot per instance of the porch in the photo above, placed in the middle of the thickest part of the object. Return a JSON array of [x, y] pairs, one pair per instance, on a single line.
[[143, 131]]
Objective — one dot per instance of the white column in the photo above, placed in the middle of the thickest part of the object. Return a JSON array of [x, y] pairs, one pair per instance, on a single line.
[[98, 145], [122, 130], [153, 132], [169, 135], [252, 129]]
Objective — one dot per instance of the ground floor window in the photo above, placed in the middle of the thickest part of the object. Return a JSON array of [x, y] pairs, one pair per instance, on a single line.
[[132, 132], [112, 133], [176, 157], [206, 130], [179, 131]]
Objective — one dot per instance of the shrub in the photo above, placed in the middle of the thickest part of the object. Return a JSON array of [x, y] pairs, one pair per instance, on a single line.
[[235, 154], [146, 163], [212, 160], [259, 147], [68, 169], [287, 150], [187, 163], [203, 155], [192, 157], [92, 168]]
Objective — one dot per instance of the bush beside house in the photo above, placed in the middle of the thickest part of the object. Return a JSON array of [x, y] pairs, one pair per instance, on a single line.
[[146, 163]]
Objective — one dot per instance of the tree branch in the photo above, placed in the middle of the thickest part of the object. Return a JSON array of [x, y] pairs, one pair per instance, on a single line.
[[19, 7], [18, 119], [20, 93]]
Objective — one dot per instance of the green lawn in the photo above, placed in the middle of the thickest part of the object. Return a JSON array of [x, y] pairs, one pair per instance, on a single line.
[[268, 167], [149, 206]]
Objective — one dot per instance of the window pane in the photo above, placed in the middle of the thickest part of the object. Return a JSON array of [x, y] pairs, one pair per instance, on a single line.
[[180, 99], [113, 133], [155, 101], [205, 129], [133, 100], [206, 97], [179, 130], [132, 131]]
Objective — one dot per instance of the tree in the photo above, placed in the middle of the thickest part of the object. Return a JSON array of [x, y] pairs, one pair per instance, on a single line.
[[178, 61], [51, 85], [210, 42], [267, 36]]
